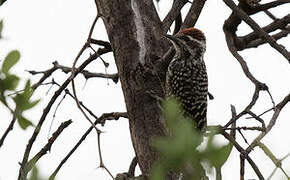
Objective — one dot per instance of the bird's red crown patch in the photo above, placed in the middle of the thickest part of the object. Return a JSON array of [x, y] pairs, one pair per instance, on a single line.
[[196, 33]]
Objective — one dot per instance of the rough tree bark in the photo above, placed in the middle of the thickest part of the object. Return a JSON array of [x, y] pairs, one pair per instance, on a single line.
[[135, 33]]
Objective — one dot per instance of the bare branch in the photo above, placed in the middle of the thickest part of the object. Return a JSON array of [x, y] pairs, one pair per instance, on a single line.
[[268, 13], [267, 6], [172, 14], [234, 124], [74, 69], [106, 44], [88, 74], [277, 36], [54, 113], [102, 165], [246, 128], [242, 42], [112, 116], [265, 36], [229, 26], [242, 167], [131, 171], [45, 75], [193, 13]]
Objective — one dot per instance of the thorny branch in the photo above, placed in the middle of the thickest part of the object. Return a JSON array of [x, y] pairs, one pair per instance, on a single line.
[[49, 105], [86, 45], [87, 74], [67, 92]]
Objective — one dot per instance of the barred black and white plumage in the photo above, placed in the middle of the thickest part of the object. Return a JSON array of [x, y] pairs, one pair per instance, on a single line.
[[186, 77]]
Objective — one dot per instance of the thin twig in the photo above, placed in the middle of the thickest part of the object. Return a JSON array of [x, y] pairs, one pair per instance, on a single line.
[[47, 147], [87, 44], [45, 75], [97, 121], [246, 128], [268, 13], [54, 114], [243, 152], [242, 167], [74, 70], [272, 122], [262, 113], [244, 138], [88, 74], [9, 128], [102, 165], [258, 119]]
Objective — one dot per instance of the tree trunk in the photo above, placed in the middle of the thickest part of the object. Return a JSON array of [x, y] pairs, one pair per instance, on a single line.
[[135, 33]]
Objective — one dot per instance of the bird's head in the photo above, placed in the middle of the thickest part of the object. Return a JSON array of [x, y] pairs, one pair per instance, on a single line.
[[189, 41]]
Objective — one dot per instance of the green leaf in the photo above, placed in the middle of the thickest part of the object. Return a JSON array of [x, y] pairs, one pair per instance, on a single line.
[[11, 59], [223, 154], [217, 156], [9, 83], [179, 148], [23, 122], [23, 103], [30, 105], [157, 172], [35, 174], [22, 100], [172, 112], [27, 90], [1, 27], [3, 98]]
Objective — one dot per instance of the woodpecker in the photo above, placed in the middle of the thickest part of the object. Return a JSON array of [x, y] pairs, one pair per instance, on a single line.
[[186, 77]]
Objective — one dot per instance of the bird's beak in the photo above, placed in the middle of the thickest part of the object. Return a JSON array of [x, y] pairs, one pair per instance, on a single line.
[[170, 37]]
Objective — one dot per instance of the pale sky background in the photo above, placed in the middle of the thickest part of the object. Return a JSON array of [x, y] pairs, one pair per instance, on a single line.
[[45, 31]]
